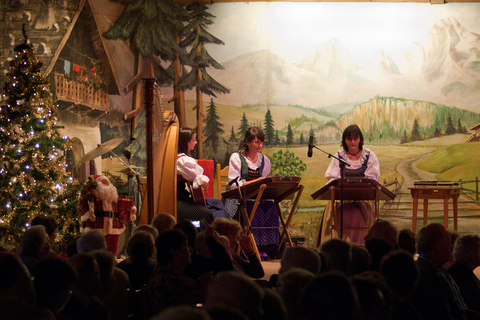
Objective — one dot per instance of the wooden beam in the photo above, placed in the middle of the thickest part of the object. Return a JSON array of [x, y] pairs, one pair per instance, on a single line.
[[384, 1]]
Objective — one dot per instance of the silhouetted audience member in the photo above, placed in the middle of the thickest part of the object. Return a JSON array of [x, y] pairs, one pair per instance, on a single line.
[[273, 307], [297, 257], [247, 262], [372, 296], [406, 241], [53, 281], [383, 229], [17, 296], [361, 259], [146, 228], [182, 313], [466, 254], [51, 227], [210, 254], [436, 296], [300, 257], [401, 274], [141, 259], [139, 265], [378, 249], [232, 290], [90, 241], [338, 255], [163, 222], [331, 296], [169, 284], [290, 287], [114, 285], [83, 304], [34, 246]]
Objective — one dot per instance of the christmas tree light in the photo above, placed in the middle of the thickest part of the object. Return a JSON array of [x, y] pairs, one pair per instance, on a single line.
[[33, 179]]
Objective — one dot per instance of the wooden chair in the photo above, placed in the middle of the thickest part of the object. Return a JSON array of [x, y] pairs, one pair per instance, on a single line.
[[222, 180]]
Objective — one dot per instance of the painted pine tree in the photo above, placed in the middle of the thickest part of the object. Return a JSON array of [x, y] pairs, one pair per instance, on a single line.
[[195, 36], [269, 130], [213, 128]]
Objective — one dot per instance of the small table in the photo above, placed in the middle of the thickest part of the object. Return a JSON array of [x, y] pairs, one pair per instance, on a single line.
[[444, 192]]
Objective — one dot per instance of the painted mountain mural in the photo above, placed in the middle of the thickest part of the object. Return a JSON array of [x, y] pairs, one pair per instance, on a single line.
[[444, 70]]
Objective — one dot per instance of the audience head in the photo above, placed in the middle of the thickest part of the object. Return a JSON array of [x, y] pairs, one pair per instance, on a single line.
[[330, 296], [227, 288], [90, 241], [146, 228], [172, 249], [182, 312], [373, 304], [35, 243], [273, 306], [300, 257], [50, 224], [53, 280], [15, 279], [229, 228], [338, 254], [467, 250], [106, 263], [361, 259], [400, 272], [290, 286], [88, 273], [163, 222], [190, 231], [383, 229], [406, 241], [433, 244], [378, 248], [141, 246]]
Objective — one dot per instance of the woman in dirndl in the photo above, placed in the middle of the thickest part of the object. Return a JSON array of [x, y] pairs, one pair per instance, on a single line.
[[358, 216]]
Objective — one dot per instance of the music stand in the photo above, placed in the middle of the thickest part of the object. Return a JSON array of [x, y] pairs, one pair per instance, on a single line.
[[343, 163], [354, 189], [242, 193]]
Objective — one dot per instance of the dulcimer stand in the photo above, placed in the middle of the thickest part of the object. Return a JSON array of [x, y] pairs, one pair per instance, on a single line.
[[353, 189], [273, 188]]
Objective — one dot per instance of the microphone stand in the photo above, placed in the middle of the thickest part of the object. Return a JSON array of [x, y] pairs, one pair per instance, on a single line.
[[343, 164]]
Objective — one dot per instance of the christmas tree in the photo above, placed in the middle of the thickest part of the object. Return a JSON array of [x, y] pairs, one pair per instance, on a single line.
[[33, 179]]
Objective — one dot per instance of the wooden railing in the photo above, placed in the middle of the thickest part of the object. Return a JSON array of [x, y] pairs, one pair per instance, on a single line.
[[469, 192], [79, 92], [392, 183]]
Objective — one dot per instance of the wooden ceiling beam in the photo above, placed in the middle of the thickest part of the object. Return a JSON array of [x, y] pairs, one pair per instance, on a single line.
[[385, 1]]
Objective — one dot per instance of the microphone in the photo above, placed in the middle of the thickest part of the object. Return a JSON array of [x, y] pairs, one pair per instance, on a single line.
[[310, 147], [233, 181]]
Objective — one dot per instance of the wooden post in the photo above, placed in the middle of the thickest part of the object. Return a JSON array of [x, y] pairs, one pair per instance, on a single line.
[[476, 187], [148, 88]]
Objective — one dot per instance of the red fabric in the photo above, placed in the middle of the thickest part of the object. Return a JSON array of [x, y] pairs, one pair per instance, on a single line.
[[95, 176], [124, 208], [208, 170], [77, 68], [112, 243]]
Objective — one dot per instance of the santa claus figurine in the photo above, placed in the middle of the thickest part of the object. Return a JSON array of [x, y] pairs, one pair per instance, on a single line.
[[98, 210]]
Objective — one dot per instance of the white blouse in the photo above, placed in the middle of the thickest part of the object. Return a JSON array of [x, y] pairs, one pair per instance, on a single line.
[[372, 171], [190, 170], [235, 166]]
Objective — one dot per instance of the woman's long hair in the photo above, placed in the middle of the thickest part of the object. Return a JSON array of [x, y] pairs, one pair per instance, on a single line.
[[184, 136]]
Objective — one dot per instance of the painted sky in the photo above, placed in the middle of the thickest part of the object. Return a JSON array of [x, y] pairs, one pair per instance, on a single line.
[[295, 30]]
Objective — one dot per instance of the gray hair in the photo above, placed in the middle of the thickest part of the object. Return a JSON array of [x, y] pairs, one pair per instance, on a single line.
[[90, 241], [467, 248]]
